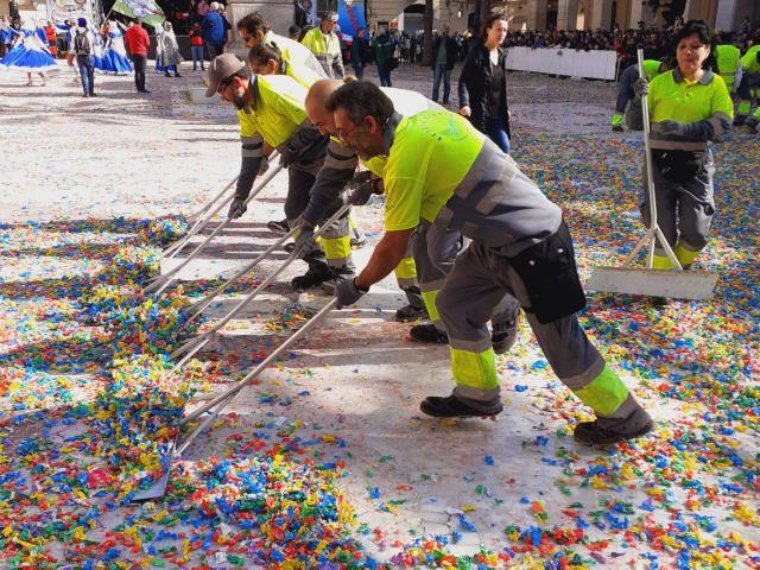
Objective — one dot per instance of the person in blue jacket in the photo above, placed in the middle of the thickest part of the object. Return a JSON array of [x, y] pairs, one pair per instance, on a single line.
[[214, 31]]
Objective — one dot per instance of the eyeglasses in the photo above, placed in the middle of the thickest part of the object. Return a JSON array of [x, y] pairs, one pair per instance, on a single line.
[[343, 133]]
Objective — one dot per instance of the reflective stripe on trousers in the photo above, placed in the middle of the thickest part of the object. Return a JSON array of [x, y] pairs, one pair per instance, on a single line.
[[434, 249], [480, 279], [406, 270], [684, 209], [336, 243]]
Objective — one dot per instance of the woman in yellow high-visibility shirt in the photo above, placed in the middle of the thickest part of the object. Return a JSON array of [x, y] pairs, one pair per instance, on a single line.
[[689, 108]]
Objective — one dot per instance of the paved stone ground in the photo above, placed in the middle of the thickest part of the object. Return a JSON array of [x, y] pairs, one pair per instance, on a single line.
[[685, 496]]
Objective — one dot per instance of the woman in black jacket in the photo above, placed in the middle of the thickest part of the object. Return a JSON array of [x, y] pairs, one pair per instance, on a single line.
[[483, 83]]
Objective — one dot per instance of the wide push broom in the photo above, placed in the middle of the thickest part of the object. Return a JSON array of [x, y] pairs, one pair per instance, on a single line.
[[675, 283], [156, 286], [191, 347], [200, 221], [215, 407]]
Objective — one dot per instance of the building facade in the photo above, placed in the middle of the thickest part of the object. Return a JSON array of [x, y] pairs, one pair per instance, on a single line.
[[723, 15]]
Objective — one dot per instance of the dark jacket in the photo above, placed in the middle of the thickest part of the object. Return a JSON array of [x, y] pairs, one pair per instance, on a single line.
[[475, 83], [383, 48], [213, 28], [361, 54], [451, 51]]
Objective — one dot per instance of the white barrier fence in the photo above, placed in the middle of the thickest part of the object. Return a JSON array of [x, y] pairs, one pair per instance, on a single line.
[[589, 64]]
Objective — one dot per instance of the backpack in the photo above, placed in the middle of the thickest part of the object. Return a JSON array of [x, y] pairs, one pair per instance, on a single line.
[[81, 43]]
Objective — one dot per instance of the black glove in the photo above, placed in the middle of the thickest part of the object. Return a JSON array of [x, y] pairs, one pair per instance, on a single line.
[[696, 131], [347, 293], [364, 192], [640, 88], [360, 178], [264, 165], [305, 243], [237, 208], [288, 155]]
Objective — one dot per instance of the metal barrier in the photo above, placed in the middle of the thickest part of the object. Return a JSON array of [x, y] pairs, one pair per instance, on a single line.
[[598, 64]]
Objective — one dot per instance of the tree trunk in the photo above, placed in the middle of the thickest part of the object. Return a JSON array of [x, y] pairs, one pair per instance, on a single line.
[[427, 53]]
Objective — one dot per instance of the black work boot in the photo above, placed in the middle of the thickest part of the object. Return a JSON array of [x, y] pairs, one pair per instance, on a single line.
[[453, 407], [428, 333], [317, 274], [504, 334], [279, 227], [410, 312], [339, 274], [591, 433], [415, 309]]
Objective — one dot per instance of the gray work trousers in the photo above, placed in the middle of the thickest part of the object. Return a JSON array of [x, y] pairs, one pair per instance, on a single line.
[[479, 281], [435, 248], [685, 210]]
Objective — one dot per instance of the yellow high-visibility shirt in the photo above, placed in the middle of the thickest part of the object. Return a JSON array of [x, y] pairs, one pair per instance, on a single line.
[[749, 60], [729, 60], [278, 109], [407, 104], [651, 68], [300, 63], [672, 98], [432, 152]]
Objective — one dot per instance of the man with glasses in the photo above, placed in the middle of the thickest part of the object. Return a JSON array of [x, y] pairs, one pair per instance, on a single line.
[[338, 171], [442, 171], [300, 63], [270, 111], [430, 254]]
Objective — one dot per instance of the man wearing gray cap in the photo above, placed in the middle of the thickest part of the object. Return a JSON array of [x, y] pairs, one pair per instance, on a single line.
[[270, 110], [325, 45]]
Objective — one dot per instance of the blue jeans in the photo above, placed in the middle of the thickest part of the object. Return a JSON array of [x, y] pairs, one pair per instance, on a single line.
[[86, 65], [440, 72], [197, 52], [497, 132], [359, 72], [385, 75]]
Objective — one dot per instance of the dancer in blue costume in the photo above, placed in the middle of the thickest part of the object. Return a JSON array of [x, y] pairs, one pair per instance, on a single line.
[[29, 53], [115, 55]]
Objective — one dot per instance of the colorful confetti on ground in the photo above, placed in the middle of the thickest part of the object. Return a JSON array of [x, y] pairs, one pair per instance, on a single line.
[[89, 404]]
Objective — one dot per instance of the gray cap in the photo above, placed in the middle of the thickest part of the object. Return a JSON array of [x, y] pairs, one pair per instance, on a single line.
[[223, 67]]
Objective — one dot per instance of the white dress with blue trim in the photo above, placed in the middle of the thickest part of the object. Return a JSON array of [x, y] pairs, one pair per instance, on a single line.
[[115, 55], [29, 53]]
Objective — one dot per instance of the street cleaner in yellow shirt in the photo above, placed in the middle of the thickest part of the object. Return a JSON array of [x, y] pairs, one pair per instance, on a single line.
[[430, 254], [443, 171], [690, 108], [299, 62], [270, 110]]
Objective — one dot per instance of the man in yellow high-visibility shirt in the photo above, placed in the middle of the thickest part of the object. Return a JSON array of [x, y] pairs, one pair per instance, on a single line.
[[729, 59], [325, 45], [748, 89], [270, 110], [431, 253], [300, 63], [442, 170]]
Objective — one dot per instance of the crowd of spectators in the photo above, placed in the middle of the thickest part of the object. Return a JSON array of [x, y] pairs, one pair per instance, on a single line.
[[655, 43]]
